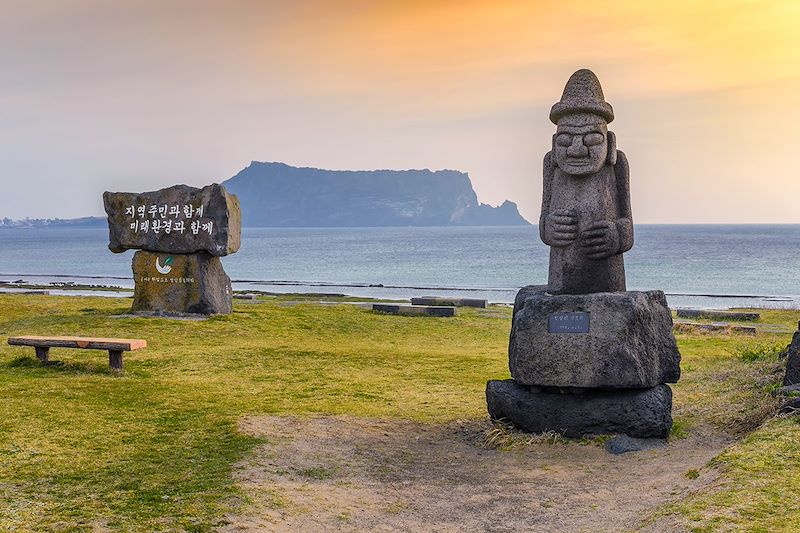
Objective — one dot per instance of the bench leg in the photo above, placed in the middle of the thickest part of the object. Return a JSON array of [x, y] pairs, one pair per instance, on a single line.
[[115, 359], [42, 353]]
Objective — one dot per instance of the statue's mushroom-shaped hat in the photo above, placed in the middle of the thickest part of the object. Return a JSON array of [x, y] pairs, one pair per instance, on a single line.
[[582, 94]]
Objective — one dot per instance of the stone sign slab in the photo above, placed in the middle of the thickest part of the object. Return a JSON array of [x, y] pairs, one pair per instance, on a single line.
[[630, 344], [180, 283], [178, 219], [568, 323]]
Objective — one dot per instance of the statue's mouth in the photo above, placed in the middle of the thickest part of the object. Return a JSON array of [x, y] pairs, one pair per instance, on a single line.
[[578, 162]]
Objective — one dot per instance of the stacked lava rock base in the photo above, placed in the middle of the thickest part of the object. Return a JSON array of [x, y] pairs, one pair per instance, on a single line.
[[586, 356], [181, 232]]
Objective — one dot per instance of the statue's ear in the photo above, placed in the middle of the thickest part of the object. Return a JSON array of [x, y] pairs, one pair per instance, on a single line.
[[612, 148]]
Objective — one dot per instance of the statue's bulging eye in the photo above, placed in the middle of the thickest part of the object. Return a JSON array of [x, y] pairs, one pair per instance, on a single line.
[[593, 139], [564, 139]]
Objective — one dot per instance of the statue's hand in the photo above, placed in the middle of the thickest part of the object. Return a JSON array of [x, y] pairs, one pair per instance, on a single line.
[[561, 228], [600, 240]]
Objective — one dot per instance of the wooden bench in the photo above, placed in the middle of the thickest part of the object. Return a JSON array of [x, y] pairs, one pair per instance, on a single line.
[[115, 347]]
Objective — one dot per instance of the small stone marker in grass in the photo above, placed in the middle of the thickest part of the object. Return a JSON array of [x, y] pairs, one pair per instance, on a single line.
[[180, 232], [721, 327], [717, 315], [415, 310], [451, 302]]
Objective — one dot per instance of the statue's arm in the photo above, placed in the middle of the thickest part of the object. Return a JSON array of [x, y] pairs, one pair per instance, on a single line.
[[549, 169], [625, 221]]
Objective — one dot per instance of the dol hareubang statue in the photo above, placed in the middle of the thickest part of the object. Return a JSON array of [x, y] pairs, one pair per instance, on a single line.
[[587, 357], [586, 208]]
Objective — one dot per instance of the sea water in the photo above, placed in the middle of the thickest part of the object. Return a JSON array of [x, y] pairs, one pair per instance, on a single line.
[[714, 266]]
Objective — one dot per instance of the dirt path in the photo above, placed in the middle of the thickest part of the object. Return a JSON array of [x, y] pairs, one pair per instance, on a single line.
[[353, 474]]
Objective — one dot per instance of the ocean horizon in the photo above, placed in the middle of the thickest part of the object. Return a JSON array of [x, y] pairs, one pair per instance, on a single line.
[[696, 265]]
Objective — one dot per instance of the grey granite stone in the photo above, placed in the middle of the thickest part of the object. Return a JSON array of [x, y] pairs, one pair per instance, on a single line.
[[642, 413], [629, 343], [586, 211], [178, 219], [180, 283]]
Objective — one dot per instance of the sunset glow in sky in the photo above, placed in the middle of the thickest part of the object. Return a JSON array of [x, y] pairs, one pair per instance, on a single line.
[[109, 95]]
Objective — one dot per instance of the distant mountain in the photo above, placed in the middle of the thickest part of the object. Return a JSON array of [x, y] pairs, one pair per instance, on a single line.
[[278, 195]]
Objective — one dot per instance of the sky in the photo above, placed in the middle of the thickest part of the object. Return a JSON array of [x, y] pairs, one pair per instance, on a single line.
[[137, 95]]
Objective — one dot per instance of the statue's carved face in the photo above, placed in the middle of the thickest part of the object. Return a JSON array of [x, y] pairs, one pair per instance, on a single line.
[[580, 144]]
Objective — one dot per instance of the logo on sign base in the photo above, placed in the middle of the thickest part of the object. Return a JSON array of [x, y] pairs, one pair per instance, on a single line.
[[165, 268]]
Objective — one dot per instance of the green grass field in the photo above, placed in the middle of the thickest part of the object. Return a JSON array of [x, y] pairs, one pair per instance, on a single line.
[[152, 449]]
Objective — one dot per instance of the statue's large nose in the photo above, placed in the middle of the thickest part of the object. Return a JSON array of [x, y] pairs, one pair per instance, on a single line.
[[577, 148]]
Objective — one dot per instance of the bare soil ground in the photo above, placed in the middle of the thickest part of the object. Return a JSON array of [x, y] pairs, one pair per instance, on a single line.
[[353, 474]]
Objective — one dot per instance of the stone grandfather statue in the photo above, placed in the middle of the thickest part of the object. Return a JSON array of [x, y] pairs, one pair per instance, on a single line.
[[586, 207], [587, 356]]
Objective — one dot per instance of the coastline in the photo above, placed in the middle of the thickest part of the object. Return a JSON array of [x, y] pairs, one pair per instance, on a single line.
[[121, 287]]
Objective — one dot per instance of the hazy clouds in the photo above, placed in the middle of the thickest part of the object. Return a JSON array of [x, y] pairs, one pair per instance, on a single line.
[[139, 95]]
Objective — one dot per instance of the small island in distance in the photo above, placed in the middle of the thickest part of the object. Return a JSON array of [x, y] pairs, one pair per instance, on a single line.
[[279, 195]]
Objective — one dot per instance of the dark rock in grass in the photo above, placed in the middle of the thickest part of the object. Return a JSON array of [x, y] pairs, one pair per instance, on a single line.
[[178, 219], [790, 407], [717, 315], [642, 413], [452, 302], [716, 327], [240, 296], [180, 283], [788, 390], [628, 341], [414, 310], [793, 361], [624, 444]]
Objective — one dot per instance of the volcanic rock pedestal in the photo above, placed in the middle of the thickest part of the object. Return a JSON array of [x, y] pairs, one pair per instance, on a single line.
[[627, 341], [586, 356], [180, 233], [589, 364]]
